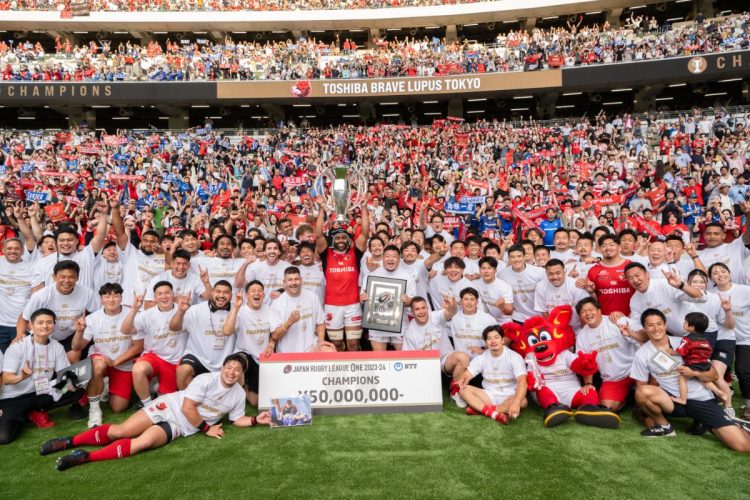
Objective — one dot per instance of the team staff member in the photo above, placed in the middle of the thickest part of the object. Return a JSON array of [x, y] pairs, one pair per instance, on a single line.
[[112, 354], [28, 367], [524, 280], [341, 266], [207, 344], [656, 400], [503, 392], [162, 347], [250, 323], [199, 408]]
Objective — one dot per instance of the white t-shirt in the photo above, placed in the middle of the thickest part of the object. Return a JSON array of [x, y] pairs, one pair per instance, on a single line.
[[490, 293], [106, 332], [139, 269], [418, 274], [732, 254], [548, 296], [301, 336], [313, 280], [643, 366], [564, 256], [710, 305], [615, 351], [85, 259], [107, 272], [431, 335], [218, 268], [44, 361], [500, 374], [441, 286], [191, 285], [740, 297], [213, 402], [429, 233], [205, 338], [152, 326], [67, 308], [673, 303], [560, 378], [524, 286], [466, 330], [272, 277], [253, 330], [15, 289]]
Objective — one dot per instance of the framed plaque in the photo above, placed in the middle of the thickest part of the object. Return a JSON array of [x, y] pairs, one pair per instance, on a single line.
[[384, 308]]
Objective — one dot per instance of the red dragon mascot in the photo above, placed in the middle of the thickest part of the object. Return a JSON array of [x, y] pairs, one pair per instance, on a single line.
[[553, 370]]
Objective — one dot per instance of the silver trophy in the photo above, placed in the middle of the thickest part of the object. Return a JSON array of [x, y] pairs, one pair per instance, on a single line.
[[335, 185]]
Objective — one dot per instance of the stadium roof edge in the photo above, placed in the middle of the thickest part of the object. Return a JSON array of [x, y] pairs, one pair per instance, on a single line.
[[405, 17]]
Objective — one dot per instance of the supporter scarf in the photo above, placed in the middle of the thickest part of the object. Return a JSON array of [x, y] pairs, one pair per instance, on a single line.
[[651, 230], [526, 221]]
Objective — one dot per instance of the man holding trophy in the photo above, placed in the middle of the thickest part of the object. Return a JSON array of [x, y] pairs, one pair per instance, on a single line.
[[341, 260]]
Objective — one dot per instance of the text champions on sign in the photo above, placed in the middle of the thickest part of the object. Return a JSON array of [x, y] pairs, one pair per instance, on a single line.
[[55, 90]]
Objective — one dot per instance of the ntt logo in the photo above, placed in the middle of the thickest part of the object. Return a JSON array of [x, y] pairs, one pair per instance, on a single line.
[[288, 369], [398, 365]]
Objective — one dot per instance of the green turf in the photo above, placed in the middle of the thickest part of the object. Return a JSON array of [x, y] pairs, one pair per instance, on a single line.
[[431, 455]]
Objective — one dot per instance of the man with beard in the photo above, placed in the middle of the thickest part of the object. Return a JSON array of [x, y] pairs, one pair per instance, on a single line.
[[733, 254], [341, 267], [607, 278], [250, 322], [207, 343], [224, 265], [297, 322]]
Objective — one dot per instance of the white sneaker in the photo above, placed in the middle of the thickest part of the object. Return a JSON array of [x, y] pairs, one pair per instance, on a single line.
[[459, 400], [730, 411], [95, 416]]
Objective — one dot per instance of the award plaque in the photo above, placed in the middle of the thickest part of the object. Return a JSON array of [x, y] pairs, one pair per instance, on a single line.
[[384, 309]]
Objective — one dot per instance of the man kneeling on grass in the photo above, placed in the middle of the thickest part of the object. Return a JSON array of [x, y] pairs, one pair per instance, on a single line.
[[503, 391], [657, 401], [200, 407]]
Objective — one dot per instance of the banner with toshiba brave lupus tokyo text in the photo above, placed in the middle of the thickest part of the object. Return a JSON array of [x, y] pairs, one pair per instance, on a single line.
[[356, 382]]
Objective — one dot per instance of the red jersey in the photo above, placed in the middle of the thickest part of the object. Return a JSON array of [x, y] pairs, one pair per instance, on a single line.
[[342, 276], [612, 289]]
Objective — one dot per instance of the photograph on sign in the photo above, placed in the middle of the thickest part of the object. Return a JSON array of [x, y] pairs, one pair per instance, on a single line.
[[384, 308], [291, 412]]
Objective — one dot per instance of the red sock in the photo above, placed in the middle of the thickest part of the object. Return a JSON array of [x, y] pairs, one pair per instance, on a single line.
[[454, 388], [118, 449], [84, 400], [93, 437], [471, 411], [488, 410]]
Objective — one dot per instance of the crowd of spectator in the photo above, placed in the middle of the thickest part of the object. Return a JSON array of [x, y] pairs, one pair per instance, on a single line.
[[308, 58], [178, 177], [223, 5]]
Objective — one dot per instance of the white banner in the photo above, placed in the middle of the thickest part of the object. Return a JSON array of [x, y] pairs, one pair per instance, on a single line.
[[358, 382]]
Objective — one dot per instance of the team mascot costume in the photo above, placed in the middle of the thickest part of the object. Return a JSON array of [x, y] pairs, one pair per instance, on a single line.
[[553, 370]]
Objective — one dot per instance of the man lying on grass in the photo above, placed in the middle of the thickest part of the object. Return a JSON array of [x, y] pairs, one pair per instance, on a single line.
[[200, 407], [657, 401]]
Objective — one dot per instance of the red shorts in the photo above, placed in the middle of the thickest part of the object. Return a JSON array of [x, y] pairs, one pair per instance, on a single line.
[[615, 390], [165, 371], [120, 382]]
